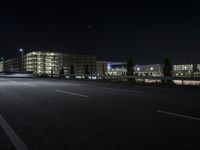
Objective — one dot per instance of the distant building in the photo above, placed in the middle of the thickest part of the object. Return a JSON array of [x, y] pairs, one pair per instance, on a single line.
[[52, 62], [102, 68], [12, 65], [119, 68], [183, 69], [1, 66], [198, 67], [111, 68], [43, 62], [148, 70]]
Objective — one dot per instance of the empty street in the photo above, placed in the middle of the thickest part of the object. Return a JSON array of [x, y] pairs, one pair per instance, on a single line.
[[57, 114]]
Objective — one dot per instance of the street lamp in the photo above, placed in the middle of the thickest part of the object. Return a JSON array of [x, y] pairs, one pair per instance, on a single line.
[[22, 51]]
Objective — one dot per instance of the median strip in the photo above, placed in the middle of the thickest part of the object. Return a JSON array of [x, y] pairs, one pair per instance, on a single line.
[[76, 94], [178, 115], [17, 142]]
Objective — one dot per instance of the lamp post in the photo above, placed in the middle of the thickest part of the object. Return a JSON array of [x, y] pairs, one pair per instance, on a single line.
[[22, 51]]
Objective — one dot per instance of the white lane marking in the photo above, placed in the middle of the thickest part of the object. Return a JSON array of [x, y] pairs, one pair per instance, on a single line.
[[178, 115], [17, 142], [32, 85], [122, 90], [76, 94], [2, 79]]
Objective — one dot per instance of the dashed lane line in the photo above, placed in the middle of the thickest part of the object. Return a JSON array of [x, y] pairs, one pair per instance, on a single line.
[[71, 93], [15, 139], [32, 85], [178, 115]]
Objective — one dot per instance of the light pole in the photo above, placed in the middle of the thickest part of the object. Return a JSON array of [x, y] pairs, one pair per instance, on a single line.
[[22, 51]]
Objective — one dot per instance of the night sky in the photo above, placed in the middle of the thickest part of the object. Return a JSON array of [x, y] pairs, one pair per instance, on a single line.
[[147, 31]]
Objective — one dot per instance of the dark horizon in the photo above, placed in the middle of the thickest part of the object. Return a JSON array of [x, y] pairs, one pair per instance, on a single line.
[[149, 32]]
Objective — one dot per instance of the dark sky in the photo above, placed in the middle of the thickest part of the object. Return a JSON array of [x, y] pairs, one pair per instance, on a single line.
[[147, 31]]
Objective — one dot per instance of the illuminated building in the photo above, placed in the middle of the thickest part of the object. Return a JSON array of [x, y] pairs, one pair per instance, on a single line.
[[12, 65], [51, 63], [1, 66], [43, 62], [183, 69], [198, 67], [111, 68], [148, 70]]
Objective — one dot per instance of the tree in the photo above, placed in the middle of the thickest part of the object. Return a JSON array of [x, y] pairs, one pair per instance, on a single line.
[[62, 73], [86, 71], [72, 72], [103, 69], [130, 70], [167, 68], [51, 72]]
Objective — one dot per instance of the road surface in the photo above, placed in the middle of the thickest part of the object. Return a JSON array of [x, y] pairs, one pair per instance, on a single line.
[[50, 114]]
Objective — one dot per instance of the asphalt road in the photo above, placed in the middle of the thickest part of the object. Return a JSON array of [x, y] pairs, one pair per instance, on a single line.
[[49, 114]]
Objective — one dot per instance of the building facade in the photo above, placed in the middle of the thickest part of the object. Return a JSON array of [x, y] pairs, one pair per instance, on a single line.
[[148, 70], [12, 65], [43, 62], [1, 66], [51, 63], [111, 68], [184, 69]]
